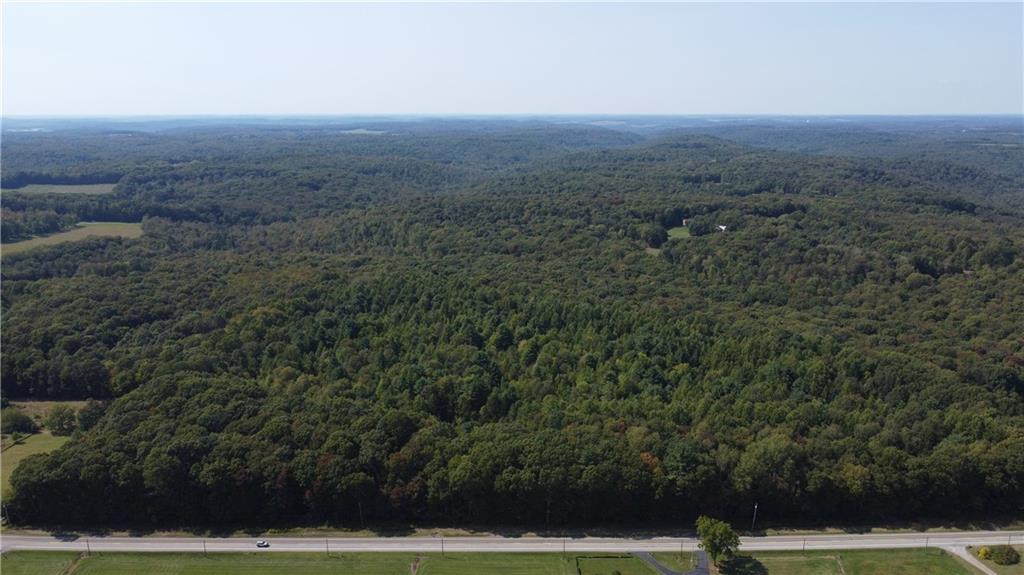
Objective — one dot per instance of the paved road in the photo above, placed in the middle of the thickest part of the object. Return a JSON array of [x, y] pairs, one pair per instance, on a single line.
[[501, 544]]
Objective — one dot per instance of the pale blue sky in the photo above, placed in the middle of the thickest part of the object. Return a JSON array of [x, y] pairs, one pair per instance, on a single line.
[[316, 58]]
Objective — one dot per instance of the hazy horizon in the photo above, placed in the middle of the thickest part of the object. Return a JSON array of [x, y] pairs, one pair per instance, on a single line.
[[513, 60]]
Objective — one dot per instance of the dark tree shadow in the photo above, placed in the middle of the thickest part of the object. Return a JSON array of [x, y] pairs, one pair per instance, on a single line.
[[743, 565]]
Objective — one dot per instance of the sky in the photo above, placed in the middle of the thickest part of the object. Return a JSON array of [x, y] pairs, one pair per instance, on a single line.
[[127, 59]]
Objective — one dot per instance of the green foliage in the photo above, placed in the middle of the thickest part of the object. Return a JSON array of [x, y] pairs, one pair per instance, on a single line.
[[13, 420], [1004, 555], [89, 415], [61, 420], [717, 539], [458, 322]]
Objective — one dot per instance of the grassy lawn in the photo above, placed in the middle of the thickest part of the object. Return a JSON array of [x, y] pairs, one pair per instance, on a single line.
[[90, 189], [36, 562], [849, 562], [11, 456], [504, 563], [84, 230], [677, 233], [868, 562], [608, 565], [675, 561], [1017, 569], [44, 563]]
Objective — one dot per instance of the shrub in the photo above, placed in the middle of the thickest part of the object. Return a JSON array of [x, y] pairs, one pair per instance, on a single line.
[[1005, 555], [984, 553], [11, 420]]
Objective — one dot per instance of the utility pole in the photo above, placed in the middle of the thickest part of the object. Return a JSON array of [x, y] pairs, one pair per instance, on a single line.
[[204, 547], [563, 547], [88, 550], [327, 546], [442, 545], [754, 520]]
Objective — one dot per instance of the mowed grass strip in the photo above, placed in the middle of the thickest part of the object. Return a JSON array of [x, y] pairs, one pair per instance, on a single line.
[[83, 231], [88, 189], [503, 563], [849, 562], [867, 562], [37, 562], [34, 563], [42, 442], [611, 565], [676, 561]]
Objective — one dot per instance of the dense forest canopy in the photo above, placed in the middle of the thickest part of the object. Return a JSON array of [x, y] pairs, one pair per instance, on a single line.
[[487, 321]]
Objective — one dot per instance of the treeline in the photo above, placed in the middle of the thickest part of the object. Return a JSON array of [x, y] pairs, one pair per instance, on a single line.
[[359, 328], [415, 397]]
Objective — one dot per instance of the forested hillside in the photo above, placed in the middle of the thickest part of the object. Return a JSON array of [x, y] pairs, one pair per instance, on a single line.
[[488, 322]]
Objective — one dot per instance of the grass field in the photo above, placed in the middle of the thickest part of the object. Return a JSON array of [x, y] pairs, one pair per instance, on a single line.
[[83, 231], [39, 409], [675, 561], [90, 189], [610, 565], [37, 562], [868, 562], [849, 562], [41, 563], [1017, 569], [41, 442], [677, 233]]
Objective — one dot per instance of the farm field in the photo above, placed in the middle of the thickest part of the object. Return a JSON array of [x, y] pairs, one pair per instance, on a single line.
[[42, 442], [89, 189], [83, 231], [849, 562]]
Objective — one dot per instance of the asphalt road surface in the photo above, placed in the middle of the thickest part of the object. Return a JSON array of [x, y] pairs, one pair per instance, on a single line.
[[498, 544]]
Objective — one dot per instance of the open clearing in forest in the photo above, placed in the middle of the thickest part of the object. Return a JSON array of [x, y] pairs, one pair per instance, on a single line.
[[82, 231], [88, 189], [679, 232], [12, 455], [38, 409]]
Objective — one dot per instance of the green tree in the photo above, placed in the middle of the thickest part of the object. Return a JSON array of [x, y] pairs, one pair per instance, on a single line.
[[61, 420], [90, 414], [14, 420], [717, 538]]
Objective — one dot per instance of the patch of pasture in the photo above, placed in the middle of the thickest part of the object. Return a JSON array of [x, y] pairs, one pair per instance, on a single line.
[[82, 231], [87, 189]]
